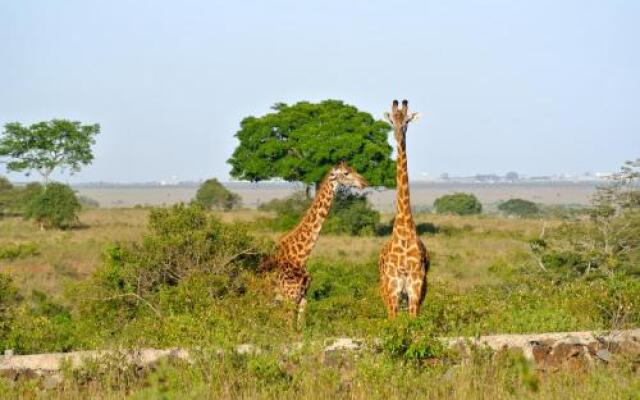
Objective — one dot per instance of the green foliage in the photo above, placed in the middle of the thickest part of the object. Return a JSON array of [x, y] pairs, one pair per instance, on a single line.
[[44, 146], [8, 300], [184, 244], [519, 208], [7, 196], [351, 214], [288, 210], [412, 339], [608, 242], [54, 207], [14, 251], [303, 141], [42, 325], [458, 203], [212, 194]]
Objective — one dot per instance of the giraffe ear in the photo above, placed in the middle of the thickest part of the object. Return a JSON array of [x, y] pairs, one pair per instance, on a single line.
[[414, 117], [387, 116]]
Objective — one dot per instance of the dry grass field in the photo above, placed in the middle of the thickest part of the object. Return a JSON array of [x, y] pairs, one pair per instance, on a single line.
[[484, 279]]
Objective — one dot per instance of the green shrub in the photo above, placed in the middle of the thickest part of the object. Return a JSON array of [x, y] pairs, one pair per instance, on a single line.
[[412, 339], [288, 210], [213, 195], [351, 214], [519, 208], [458, 203], [184, 244], [8, 301], [15, 251], [54, 207]]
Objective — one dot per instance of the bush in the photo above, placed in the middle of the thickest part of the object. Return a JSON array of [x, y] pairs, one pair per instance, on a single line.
[[288, 210], [54, 207], [184, 244], [212, 194], [15, 251], [8, 300], [458, 203], [351, 214], [519, 208]]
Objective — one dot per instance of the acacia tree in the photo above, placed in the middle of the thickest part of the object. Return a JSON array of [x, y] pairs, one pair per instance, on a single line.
[[47, 145], [299, 143]]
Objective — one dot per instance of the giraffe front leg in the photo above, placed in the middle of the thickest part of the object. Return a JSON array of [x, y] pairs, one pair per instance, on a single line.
[[302, 305]]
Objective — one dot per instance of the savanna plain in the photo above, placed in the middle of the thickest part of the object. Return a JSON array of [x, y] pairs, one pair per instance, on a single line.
[[180, 276]]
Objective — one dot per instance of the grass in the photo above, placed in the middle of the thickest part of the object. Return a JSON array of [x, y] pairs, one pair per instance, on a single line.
[[484, 280]]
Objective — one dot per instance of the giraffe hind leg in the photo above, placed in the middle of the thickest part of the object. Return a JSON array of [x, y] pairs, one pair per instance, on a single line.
[[416, 296]]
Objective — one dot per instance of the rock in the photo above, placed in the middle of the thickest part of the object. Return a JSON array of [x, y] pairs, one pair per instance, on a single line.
[[344, 344], [248, 349], [604, 355]]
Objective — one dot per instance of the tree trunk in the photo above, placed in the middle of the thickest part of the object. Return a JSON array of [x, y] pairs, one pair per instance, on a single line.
[[309, 188]]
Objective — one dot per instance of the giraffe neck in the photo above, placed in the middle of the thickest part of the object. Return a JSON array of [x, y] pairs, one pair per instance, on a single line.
[[403, 204], [309, 228]]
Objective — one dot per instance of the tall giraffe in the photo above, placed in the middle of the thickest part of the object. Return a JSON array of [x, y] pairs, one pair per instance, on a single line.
[[292, 252], [404, 260]]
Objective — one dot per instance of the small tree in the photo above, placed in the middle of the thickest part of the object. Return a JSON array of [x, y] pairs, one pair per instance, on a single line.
[[45, 146], [212, 194], [301, 142], [458, 203], [56, 207], [519, 208]]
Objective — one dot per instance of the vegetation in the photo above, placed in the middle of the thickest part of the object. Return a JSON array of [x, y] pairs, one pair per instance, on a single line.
[[54, 207], [213, 195], [45, 146], [608, 242], [299, 143], [185, 277], [458, 204], [519, 208], [350, 213]]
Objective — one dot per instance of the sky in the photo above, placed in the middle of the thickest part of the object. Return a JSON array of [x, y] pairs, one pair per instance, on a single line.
[[538, 87]]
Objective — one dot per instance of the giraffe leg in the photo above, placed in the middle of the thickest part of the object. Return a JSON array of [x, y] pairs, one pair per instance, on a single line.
[[390, 298], [302, 305], [416, 296]]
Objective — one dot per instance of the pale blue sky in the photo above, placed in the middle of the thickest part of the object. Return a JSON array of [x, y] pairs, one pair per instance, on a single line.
[[538, 87]]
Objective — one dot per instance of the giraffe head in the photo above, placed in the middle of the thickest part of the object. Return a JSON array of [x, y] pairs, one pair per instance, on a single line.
[[342, 174], [400, 117]]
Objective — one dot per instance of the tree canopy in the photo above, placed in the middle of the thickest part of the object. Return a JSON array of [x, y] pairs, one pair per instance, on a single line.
[[44, 146], [212, 194], [300, 142]]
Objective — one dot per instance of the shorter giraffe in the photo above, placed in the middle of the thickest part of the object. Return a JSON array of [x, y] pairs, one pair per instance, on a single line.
[[292, 252]]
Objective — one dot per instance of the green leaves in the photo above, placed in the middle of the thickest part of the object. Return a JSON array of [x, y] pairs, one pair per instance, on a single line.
[[212, 194], [301, 142], [44, 146]]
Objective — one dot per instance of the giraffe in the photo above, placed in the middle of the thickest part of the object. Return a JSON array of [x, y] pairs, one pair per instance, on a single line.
[[404, 260], [292, 252]]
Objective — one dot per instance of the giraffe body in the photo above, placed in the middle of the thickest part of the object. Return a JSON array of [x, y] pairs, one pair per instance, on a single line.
[[289, 260], [404, 260]]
